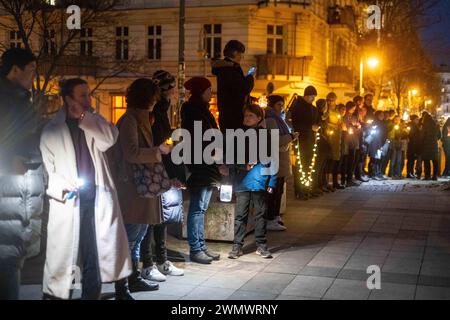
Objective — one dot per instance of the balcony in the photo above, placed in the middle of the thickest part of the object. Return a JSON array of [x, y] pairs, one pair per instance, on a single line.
[[290, 3], [340, 75], [70, 66], [283, 65]]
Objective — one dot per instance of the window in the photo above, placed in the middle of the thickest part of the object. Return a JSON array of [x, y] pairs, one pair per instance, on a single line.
[[275, 35], [86, 42], [15, 40], [213, 40], [118, 107], [122, 43], [154, 42], [49, 42]]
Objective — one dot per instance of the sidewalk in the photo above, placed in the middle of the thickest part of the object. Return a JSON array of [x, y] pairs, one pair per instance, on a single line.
[[401, 226]]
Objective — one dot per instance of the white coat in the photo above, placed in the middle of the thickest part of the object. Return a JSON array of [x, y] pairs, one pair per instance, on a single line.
[[61, 266]]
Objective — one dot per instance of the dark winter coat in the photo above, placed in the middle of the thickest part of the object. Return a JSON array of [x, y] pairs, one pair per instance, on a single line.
[[233, 90], [21, 196], [376, 137], [202, 175], [430, 134], [446, 135], [162, 131], [303, 116], [414, 143], [370, 113]]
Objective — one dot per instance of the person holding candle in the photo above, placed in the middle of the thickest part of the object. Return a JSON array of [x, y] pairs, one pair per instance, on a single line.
[[376, 140], [351, 141], [136, 145], [396, 136], [304, 119], [172, 200]]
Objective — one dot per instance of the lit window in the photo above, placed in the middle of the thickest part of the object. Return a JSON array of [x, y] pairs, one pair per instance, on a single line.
[[118, 107]]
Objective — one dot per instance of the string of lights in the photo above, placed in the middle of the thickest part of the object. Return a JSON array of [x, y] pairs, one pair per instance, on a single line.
[[306, 178]]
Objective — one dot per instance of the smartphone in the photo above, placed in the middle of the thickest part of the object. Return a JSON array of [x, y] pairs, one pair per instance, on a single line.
[[252, 70]]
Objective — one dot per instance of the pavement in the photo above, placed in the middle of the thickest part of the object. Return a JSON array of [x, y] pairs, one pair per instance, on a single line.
[[401, 227]]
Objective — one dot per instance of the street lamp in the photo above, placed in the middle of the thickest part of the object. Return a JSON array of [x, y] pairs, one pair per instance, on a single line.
[[411, 93], [372, 63]]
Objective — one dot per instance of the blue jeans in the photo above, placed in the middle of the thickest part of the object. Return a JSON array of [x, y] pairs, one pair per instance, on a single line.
[[198, 204], [395, 168], [135, 234]]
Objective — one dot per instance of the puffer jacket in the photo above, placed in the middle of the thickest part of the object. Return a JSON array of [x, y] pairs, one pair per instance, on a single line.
[[21, 196], [172, 206], [255, 179], [260, 176]]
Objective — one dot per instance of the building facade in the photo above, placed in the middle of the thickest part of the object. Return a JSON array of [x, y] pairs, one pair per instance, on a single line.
[[444, 75], [293, 44]]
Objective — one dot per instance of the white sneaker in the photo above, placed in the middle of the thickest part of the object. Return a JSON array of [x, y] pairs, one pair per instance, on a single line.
[[273, 225], [152, 273], [278, 219], [169, 269]]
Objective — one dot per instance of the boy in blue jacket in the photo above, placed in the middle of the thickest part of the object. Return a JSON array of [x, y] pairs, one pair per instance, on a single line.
[[252, 188]]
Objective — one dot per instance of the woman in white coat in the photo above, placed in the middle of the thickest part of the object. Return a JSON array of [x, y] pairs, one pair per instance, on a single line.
[[66, 242]]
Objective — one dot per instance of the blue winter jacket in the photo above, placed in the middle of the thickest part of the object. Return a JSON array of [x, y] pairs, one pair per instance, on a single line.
[[254, 180]]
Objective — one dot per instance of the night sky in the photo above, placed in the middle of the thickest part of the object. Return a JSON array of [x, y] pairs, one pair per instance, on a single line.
[[436, 33]]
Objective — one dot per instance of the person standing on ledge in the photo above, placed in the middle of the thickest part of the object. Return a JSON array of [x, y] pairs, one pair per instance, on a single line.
[[233, 87]]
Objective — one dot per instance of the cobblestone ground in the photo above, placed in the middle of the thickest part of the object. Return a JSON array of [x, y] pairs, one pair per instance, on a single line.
[[402, 227]]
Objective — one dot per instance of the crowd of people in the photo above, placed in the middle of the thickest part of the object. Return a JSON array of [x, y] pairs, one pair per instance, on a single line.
[[113, 189], [347, 138]]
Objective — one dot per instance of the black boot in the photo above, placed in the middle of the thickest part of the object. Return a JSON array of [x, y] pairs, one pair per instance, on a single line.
[[137, 284], [122, 290]]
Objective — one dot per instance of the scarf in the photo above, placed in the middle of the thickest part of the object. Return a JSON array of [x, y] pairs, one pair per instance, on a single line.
[[282, 125]]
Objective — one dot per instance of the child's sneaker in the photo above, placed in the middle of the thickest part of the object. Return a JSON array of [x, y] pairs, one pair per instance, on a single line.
[[263, 252], [235, 252]]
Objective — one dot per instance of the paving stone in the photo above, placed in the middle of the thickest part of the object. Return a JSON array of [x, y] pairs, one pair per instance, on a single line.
[[343, 289], [307, 286], [268, 282]]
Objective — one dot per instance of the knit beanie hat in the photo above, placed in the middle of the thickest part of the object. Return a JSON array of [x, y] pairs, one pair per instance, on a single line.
[[164, 80], [197, 85]]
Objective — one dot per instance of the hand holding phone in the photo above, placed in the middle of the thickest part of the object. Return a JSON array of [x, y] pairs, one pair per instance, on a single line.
[[252, 70]]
